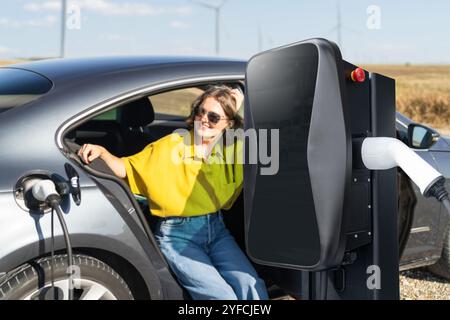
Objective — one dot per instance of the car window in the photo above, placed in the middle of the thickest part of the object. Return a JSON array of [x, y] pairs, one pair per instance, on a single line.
[[108, 115], [18, 87], [172, 103], [178, 102], [175, 102]]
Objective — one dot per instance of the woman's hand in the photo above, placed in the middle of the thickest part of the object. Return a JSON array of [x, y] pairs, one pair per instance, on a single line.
[[237, 94], [90, 152]]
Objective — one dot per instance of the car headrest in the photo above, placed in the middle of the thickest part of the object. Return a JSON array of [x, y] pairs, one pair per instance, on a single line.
[[138, 113]]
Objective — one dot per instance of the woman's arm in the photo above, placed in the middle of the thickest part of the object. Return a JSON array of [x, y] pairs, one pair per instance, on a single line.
[[90, 152]]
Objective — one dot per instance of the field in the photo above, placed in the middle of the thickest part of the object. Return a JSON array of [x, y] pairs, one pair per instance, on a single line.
[[6, 62], [423, 93]]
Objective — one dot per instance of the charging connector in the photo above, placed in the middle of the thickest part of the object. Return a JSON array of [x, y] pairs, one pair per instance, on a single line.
[[439, 192], [386, 153]]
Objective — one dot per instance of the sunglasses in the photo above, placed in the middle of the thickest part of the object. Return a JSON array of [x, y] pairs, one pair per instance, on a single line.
[[213, 117]]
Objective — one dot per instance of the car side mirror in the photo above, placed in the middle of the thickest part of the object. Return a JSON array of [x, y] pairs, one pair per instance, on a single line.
[[421, 137]]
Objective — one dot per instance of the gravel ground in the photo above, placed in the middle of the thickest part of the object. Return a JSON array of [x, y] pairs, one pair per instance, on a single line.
[[421, 284]]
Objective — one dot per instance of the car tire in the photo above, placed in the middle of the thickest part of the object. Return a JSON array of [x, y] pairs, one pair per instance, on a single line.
[[96, 280], [442, 266]]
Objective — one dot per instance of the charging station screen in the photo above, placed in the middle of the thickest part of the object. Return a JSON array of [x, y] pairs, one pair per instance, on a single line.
[[282, 227]]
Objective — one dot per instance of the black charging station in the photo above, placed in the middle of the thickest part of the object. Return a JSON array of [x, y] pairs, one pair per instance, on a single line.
[[323, 213]]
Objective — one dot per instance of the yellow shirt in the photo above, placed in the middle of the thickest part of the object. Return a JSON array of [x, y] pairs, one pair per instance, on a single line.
[[176, 183]]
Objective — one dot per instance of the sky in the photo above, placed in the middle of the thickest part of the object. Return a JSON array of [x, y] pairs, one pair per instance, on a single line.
[[372, 31]]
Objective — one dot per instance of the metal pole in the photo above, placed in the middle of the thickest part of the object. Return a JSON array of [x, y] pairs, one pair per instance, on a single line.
[[217, 16], [63, 28], [217, 31], [339, 25], [260, 38]]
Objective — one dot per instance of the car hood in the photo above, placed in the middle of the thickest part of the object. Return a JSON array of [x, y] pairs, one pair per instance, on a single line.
[[443, 144], [446, 139]]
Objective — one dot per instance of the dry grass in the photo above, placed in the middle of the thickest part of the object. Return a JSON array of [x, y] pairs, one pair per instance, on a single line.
[[6, 62], [423, 93], [176, 102]]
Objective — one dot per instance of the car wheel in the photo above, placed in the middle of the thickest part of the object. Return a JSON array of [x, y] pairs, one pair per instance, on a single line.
[[442, 266], [95, 280]]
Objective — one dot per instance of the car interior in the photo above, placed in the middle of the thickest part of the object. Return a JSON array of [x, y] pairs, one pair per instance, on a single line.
[[128, 128]]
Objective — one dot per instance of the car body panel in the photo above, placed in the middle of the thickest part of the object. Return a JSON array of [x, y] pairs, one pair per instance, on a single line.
[[442, 160], [422, 240]]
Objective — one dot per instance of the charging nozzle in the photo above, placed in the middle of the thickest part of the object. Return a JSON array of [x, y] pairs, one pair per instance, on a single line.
[[45, 191], [386, 153]]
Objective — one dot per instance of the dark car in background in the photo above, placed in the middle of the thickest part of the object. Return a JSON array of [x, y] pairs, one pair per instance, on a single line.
[[48, 109], [424, 231]]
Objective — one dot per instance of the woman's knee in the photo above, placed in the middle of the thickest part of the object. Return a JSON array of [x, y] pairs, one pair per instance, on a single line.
[[248, 286], [212, 292]]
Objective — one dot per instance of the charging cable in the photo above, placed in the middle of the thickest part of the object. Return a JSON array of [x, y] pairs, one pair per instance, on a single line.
[[45, 191]]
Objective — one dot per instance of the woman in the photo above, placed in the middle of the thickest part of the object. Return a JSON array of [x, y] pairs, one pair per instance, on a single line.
[[187, 180]]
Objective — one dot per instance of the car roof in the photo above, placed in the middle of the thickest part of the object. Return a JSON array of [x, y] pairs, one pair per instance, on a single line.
[[59, 70]]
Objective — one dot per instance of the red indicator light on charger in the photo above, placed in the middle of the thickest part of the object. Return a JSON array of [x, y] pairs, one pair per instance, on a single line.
[[358, 75]]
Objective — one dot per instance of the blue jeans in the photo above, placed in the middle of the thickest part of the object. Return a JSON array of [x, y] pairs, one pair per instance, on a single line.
[[207, 260]]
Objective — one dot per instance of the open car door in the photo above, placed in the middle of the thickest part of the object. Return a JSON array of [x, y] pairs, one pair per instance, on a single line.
[[315, 213]]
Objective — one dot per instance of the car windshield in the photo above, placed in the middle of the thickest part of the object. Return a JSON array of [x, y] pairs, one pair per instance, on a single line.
[[18, 87]]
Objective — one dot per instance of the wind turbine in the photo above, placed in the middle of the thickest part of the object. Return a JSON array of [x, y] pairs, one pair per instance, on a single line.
[[260, 38], [216, 9], [339, 27]]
